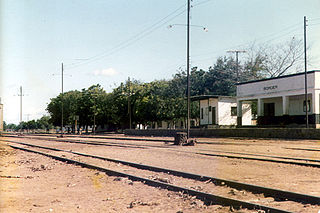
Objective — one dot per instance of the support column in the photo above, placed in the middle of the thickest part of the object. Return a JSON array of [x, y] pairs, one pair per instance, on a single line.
[[260, 107], [315, 103], [285, 105], [239, 113], [316, 107]]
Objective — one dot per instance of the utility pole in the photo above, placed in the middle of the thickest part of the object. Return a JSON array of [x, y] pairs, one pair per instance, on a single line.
[[62, 100], [129, 103], [188, 69], [21, 94], [94, 121], [305, 71], [28, 117], [237, 61], [62, 97], [20, 103], [188, 63]]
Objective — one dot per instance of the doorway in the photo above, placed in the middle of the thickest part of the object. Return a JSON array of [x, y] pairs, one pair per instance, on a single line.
[[269, 109], [213, 112]]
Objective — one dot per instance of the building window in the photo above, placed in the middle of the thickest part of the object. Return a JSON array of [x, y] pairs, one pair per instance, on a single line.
[[210, 108], [304, 106], [201, 113], [233, 111]]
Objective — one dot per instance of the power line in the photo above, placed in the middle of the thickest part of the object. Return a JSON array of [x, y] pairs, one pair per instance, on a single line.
[[294, 26], [134, 38], [202, 2], [314, 24], [131, 40], [130, 43], [313, 19]]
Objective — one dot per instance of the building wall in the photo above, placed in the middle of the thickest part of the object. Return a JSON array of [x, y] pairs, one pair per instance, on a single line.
[[292, 85], [207, 115], [287, 94], [296, 105], [213, 102], [203, 116], [317, 82], [246, 114], [224, 112]]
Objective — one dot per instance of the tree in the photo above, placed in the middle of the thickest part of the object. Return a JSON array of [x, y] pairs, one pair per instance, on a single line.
[[44, 123], [274, 60], [222, 77], [4, 125], [71, 102], [90, 107], [10, 127]]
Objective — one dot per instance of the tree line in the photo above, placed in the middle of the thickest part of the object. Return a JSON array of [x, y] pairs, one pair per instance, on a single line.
[[148, 103], [165, 100], [43, 123]]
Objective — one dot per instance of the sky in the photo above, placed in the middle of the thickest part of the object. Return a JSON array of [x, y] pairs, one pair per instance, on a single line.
[[106, 41]]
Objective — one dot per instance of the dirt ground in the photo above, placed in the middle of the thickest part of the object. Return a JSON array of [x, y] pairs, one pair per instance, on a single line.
[[33, 183]]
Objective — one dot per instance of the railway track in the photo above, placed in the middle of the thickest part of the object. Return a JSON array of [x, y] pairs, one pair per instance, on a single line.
[[205, 195], [101, 143], [130, 139], [102, 137], [270, 156], [225, 154], [303, 149]]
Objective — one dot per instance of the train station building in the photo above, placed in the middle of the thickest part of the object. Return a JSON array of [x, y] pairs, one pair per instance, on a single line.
[[281, 100], [216, 111]]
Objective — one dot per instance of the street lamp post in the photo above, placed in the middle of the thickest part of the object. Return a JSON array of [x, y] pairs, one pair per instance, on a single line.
[[62, 100], [188, 61], [62, 94], [94, 121], [128, 94], [305, 70], [188, 69], [129, 104]]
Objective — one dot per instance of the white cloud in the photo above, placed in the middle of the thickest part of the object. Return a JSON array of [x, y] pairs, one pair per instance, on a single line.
[[105, 72]]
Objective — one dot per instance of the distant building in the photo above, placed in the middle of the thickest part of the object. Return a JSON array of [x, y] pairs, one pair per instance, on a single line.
[[217, 110], [1, 116], [281, 100]]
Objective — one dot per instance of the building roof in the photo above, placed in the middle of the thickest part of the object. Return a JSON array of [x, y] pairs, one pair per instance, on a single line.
[[204, 97], [284, 76]]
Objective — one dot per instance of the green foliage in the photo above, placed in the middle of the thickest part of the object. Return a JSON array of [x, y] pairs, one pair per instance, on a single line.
[[42, 123], [159, 100], [9, 126]]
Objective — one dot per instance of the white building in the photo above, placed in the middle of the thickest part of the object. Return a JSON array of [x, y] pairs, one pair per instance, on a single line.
[[281, 100], [217, 110]]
